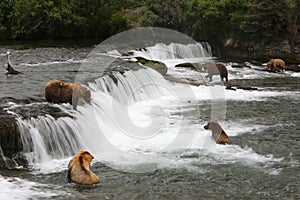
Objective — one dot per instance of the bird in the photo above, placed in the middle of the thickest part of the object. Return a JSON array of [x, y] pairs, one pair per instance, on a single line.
[[9, 67]]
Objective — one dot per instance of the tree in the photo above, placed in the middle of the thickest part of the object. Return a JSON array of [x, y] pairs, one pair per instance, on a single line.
[[293, 20], [266, 20], [5, 8], [215, 20], [169, 13]]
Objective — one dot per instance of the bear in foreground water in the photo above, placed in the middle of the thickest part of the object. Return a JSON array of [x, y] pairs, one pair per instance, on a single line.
[[79, 169], [275, 65], [57, 91], [216, 69], [217, 132]]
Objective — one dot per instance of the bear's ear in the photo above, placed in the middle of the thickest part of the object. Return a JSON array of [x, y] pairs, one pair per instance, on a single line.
[[86, 153], [60, 84]]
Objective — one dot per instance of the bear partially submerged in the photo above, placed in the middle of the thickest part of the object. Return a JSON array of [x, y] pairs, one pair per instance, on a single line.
[[217, 132], [79, 169], [216, 69], [57, 91]]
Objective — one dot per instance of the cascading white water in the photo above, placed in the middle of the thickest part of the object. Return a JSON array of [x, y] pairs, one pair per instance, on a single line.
[[45, 138], [132, 86], [175, 51], [111, 126]]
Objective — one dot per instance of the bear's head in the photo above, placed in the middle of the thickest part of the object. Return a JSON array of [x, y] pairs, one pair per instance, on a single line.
[[86, 157], [86, 93], [214, 126], [80, 91], [270, 64]]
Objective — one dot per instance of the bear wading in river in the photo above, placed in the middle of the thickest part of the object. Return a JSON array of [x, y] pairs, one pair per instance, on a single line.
[[217, 132], [57, 91], [79, 169], [216, 69], [276, 65]]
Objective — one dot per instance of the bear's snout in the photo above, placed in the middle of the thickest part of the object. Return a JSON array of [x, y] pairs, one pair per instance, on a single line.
[[206, 126]]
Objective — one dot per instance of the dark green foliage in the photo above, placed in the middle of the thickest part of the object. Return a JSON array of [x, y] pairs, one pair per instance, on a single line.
[[170, 13], [266, 20], [215, 20], [5, 9], [34, 19], [211, 20]]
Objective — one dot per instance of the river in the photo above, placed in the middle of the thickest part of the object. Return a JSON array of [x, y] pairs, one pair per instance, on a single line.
[[145, 132]]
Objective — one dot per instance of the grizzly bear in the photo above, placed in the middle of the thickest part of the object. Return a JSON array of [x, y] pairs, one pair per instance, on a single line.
[[217, 132], [79, 169], [216, 69], [276, 65], [57, 91]]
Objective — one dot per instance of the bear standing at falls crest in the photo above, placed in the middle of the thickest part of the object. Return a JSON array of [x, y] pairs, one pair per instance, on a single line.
[[57, 91]]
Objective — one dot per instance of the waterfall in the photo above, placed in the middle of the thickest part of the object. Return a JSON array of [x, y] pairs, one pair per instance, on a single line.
[[175, 51], [132, 86], [45, 138], [131, 110]]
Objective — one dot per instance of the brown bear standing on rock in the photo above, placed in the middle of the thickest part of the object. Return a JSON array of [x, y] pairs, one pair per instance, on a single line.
[[57, 91], [216, 69], [79, 169], [217, 132], [276, 65]]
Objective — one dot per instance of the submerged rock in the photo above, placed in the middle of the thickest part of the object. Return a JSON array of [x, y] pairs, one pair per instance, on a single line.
[[156, 65], [194, 66], [183, 81], [229, 86], [293, 68]]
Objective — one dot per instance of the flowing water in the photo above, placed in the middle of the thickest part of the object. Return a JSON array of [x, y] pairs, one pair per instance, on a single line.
[[147, 133]]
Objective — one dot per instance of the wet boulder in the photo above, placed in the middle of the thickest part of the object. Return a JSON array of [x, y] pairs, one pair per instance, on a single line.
[[193, 66], [10, 142], [156, 65]]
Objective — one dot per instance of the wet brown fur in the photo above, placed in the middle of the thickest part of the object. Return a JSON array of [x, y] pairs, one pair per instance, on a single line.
[[57, 91], [216, 69], [79, 169], [217, 132], [275, 65]]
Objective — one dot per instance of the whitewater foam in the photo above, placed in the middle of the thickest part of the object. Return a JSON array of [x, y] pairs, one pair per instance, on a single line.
[[297, 75], [16, 188], [173, 51]]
